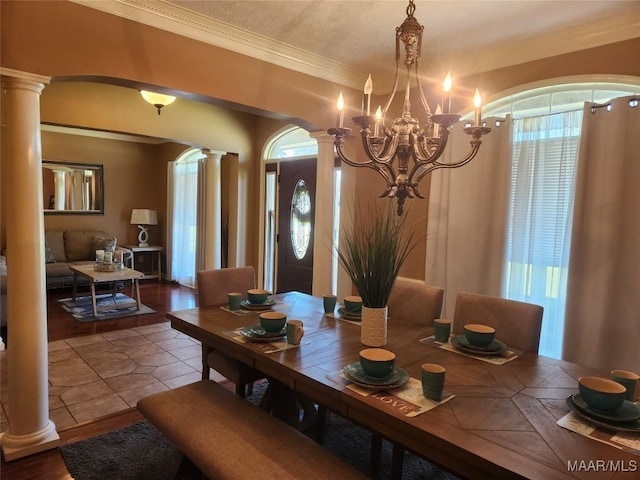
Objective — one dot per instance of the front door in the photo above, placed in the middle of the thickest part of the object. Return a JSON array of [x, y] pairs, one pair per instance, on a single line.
[[296, 210]]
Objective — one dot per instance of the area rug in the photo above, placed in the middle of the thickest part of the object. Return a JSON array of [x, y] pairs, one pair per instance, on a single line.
[[81, 308], [137, 452], [140, 452]]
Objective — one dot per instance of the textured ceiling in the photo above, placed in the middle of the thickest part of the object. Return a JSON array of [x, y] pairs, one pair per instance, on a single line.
[[345, 40], [361, 34]]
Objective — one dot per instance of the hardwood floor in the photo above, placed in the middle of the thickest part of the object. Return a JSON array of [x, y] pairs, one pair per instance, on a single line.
[[162, 297]]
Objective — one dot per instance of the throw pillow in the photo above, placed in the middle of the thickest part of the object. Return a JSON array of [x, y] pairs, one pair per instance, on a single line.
[[106, 244], [48, 254]]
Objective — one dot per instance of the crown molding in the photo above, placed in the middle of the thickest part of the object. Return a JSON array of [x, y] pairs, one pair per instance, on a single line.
[[624, 25], [178, 20]]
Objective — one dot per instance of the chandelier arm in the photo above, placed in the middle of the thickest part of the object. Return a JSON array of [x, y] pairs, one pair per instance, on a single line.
[[423, 154], [395, 82], [343, 156], [387, 152], [385, 170], [418, 172], [423, 98]]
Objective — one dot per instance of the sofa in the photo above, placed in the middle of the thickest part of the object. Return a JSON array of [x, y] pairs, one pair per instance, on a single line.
[[64, 248]]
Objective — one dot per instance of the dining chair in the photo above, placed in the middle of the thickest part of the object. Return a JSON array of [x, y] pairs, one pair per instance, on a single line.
[[415, 299], [213, 287], [419, 302], [517, 324]]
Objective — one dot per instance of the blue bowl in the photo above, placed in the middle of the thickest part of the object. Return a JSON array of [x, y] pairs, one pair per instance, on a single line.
[[272, 321], [479, 335], [257, 296], [377, 362], [601, 393], [353, 304]]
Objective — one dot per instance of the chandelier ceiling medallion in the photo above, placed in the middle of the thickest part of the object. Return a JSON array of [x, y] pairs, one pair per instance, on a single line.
[[404, 152]]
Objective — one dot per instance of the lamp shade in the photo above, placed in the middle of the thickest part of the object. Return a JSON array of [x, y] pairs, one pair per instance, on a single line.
[[143, 216]]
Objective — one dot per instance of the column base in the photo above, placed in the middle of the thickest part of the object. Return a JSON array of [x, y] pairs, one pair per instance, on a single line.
[[19, 446]]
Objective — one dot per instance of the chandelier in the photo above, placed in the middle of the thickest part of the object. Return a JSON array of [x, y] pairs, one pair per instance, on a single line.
[[404, 152]]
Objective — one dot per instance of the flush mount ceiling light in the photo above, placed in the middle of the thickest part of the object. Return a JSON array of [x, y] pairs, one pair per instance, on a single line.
[[158, 100], [403, 152]]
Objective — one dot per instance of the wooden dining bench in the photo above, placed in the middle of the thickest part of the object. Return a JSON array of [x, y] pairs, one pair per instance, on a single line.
[[227, 437]]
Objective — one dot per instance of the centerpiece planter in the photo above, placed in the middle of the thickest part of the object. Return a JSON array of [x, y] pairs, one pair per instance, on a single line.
[[372, 249], [373, 326]]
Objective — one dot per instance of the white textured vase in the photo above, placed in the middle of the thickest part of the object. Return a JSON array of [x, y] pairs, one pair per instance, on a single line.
[[374, 327]]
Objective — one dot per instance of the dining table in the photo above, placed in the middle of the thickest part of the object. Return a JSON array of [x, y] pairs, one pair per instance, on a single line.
[[499, 420]]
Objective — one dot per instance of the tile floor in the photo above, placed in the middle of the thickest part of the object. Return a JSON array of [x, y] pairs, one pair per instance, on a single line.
[[98, 375]]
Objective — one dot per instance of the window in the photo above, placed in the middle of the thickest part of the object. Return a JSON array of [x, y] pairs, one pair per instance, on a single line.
[[546, 139]]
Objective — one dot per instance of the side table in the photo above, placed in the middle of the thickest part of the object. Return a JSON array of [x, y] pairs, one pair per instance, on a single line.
[[156, 260]]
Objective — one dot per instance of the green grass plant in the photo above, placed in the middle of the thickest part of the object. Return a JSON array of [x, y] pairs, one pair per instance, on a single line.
[[372, 249]]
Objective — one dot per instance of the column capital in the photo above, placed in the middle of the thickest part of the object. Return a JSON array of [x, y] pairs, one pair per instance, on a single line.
[[217, 154], [17, 78], [322, 137]]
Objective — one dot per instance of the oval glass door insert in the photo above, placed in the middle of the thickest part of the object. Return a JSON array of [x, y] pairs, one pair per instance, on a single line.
[[300, 219]]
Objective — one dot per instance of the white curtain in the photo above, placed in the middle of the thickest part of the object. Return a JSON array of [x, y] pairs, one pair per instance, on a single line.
[[602, 322], [545, 150], [185, 215], [468, 215]]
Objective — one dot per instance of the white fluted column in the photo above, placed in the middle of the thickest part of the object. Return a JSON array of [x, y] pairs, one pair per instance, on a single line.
[[322, 252], [30, 429], [213, 212]]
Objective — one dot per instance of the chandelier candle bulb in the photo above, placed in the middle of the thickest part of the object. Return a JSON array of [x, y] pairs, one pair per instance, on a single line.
[[368, 90], [376, 128], [446, 89], [477, 103], [436, 127], [340, 106]]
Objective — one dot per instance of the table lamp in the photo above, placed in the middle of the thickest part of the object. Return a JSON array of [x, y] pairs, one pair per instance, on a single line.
[[143, 217]]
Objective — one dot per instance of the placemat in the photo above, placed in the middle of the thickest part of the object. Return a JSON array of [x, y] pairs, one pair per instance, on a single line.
[[281, 306], [407, 399], [343, 319], [504, 357], [629, 442], [264, 347], [240, 312]]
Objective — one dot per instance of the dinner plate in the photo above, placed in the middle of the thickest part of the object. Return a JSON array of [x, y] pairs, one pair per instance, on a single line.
[[494, 348], [395, 379], [258, 306], [348, 315], [257, 334], [627, 412], [630, 426]]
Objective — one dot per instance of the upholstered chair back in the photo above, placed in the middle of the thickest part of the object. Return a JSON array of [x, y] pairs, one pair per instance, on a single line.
[[214, 285], [517, 324], [415, 300]]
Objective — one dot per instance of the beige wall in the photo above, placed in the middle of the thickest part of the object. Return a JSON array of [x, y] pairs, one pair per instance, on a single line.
[[65, 40], [135, 177]]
